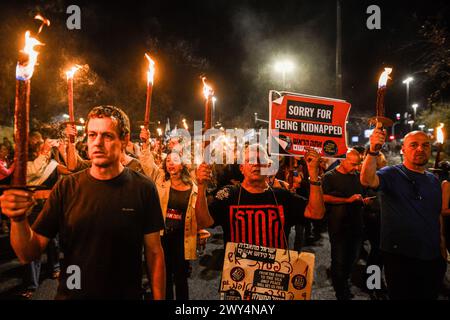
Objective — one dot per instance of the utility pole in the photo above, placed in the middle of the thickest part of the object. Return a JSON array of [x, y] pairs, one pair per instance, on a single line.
[[338, 50]]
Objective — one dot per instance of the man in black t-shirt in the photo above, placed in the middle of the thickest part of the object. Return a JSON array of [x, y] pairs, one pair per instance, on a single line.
[[254, 213], [343, 193], [105, 216]]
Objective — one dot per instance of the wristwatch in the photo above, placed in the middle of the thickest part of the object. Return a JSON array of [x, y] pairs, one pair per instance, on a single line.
[[315, 183]]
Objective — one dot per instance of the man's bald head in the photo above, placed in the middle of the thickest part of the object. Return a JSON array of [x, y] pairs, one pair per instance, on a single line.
[[353, 154], [416, 150], [414, 135], [352, 161]]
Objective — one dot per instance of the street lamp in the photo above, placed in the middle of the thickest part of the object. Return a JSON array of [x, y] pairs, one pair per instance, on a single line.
[[407, 82], [411, 123], [421, 126], [415, 106], [284, 67]]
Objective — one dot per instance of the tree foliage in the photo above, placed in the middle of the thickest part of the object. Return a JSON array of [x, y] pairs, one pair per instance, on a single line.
[[440, 113], [435, 59]]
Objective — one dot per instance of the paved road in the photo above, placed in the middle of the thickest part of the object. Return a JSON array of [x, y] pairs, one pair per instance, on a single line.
[[205, 277]]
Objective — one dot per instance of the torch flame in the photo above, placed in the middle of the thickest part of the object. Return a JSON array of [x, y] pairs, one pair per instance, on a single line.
[[440, 134], [207, 90], [45, 22], [25, 69], [384, 77], [185, 124], [151, 69], [72, 71]]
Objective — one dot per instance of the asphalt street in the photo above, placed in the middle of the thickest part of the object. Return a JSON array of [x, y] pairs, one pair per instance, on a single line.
[[205, 277]]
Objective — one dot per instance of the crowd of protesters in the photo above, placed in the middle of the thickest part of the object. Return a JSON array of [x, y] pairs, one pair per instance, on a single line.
[[114, 208]]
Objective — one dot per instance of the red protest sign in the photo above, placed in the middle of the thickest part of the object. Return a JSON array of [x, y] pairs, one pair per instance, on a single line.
[[300, 121]]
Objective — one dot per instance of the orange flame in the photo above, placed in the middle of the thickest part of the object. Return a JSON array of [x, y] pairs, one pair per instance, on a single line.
[[151, 69], [45, 22], [384, 77], [24, 70], [207, 90], [185, 124], [72, 71], [440, 134]]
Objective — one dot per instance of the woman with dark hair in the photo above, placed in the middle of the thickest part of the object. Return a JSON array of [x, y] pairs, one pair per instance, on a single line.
[[178, 196]]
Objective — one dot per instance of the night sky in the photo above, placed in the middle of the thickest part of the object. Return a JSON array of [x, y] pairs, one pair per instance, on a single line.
[[233, 43]]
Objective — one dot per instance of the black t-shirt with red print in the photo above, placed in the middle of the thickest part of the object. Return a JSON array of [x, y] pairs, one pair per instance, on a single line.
[[257, 218]]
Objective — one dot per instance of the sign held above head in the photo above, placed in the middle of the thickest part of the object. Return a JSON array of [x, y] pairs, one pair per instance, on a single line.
[[301, 122]]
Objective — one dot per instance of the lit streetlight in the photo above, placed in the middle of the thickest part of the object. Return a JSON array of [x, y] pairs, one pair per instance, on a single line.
[[411, 123], [415, 106], [284, 67], [421, 126], [397, 117], [407, 81]]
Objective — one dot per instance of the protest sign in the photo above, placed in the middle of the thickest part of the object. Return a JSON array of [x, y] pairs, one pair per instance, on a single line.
[[252, 272], [298, 122]]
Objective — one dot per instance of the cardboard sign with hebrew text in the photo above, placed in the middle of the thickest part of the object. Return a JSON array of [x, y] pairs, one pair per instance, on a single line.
[[252, 272]]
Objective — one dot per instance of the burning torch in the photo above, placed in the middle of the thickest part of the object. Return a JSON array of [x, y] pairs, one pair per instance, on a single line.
[[208, 92], [440, 143], [185, 125], [380, 121], [70, 75], [148, 102], [24, 71]]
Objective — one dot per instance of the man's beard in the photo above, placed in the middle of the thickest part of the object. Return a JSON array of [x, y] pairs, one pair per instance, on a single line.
[[103, 164], [419, 162]]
